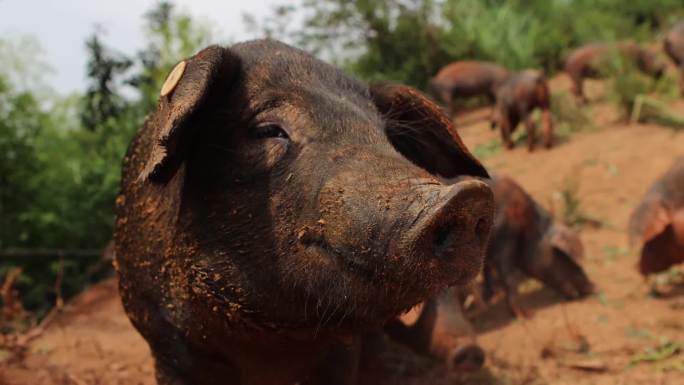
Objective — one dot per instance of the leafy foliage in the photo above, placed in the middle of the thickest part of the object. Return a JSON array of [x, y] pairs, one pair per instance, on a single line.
[[408, 41], [60, 161]]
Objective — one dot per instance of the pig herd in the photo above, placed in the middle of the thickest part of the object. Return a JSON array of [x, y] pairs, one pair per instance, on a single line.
[[515, 95], [277, 217]]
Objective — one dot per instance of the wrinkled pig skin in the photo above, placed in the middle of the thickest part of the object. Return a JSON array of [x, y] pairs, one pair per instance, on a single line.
[[272, 210], [442, 331], [525, 238], [516, 98], [589, 61], [673, 43], [464, 79], [657, 224]]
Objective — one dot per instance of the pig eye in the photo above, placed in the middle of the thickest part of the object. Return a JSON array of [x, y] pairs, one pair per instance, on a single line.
[[270, 130]]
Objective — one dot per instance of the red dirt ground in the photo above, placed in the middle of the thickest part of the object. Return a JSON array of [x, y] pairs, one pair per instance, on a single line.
[[597, 341]]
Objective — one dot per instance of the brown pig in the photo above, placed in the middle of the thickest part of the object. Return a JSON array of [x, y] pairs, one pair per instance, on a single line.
[[674, 47], [588, 61], [464, 79], [525, 238], [273, 210], [516, 98], [657, 224], [442, 331]]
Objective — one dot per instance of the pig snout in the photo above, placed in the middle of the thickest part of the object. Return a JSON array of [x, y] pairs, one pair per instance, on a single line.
[[456, 230], [466, 358]]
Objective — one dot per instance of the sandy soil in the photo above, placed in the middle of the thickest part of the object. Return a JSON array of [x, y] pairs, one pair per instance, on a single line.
[[600, 340]]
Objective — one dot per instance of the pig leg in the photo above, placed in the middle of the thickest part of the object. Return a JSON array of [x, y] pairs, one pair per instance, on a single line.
[[447, 96], [531, 131], [577, 88], [495, 117], [547, 124], [511, 287], [418, 336], [502, 254], [506, 130]]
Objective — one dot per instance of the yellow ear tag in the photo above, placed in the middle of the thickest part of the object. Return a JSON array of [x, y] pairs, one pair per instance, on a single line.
[[174, 77]]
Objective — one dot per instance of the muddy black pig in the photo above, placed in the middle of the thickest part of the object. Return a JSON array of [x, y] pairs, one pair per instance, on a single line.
[[589, 61], [674, 47], [273, 209], [464, 79], [516, 99], [657, 224], [525, 238]]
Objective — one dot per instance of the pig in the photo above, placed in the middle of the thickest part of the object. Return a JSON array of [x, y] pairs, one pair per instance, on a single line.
[[273, 210], [673, 43], [657, 224], [516, 98], [442, 331], [526, 239], [588, 61], [464, 79]]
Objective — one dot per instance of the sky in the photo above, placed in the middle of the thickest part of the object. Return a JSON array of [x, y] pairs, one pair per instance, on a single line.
[[61, 27]]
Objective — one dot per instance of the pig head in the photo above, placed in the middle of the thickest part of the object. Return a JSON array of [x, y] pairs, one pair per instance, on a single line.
[[526, 238], [657, 224], [557, 263], [271, 204]]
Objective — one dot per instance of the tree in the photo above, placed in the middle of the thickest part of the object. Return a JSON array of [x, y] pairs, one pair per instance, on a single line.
[[20, 122], [102, 99], [171, 36], [60, 161]]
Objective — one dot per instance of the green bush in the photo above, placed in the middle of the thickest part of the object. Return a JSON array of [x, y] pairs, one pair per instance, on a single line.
[[60, 159], [568, 117], [408, 41], [628, 81]]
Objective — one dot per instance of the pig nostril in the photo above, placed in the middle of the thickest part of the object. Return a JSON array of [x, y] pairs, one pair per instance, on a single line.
[[443, 239], [446, 237]]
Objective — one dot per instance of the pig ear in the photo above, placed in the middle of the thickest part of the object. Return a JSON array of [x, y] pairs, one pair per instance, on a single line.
[[658, 221], [678, 226], [185, 90], [423, 133], [568, 241]]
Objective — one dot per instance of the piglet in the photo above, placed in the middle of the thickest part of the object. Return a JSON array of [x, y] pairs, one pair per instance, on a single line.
[[657, 224], [525, 238]]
